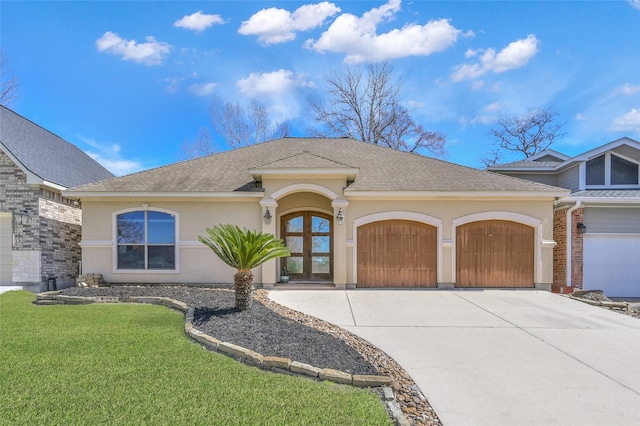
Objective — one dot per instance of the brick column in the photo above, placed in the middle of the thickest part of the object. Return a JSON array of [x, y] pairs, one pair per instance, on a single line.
[[577, 249]]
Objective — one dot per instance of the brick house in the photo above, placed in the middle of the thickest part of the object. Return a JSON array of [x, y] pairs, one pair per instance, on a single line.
[[40, 230], [597, 227]]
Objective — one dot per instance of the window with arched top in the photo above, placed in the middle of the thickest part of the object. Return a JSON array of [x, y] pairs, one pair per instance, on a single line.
[[146, 240]]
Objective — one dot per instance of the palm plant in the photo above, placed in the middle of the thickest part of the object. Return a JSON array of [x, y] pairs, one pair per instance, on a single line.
[[243, 250]]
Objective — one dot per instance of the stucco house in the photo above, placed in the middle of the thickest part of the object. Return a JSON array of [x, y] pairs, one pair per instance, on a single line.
[[40, 229], [597, 227], [352, 214]]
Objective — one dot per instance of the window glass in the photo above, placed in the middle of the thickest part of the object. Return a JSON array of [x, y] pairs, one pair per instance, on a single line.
[[295, 224], [143, 233], [320, 265], [294, 244], [595, 171], [294, 265], [320, 244], [162, 257], [319, 224], [161, 228], [131, 228], [623, 172], [130, 257]]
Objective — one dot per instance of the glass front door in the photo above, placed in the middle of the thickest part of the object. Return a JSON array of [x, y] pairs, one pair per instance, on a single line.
[[308, 235]]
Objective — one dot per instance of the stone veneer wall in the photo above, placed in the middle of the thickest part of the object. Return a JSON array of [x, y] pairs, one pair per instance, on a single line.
[[47, 244], [560, 251]]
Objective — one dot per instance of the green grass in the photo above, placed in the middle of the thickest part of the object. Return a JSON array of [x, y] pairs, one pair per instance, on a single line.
[[133, 364]]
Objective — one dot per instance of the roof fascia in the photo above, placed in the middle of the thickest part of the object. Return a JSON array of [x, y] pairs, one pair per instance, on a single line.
[[604, 148], [454, 194], [182, 195], [600, 200]]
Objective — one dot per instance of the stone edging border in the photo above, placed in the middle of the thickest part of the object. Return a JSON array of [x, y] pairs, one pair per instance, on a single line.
[[271, 363]]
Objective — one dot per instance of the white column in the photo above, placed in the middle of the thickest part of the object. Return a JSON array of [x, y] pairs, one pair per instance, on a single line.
[[269, 276], [340, 244]]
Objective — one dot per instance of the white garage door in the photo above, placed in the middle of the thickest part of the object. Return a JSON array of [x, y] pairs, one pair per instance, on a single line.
[[612, 264], [6, 260]]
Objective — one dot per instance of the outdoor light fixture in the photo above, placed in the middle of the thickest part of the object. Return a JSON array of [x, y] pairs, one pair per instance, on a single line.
[[267, 216], [340, 217], [23, 217], [581, 228]]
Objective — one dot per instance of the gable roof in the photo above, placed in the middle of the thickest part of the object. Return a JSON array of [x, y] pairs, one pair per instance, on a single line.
[[374, 168], [47, 157], [532, 163]]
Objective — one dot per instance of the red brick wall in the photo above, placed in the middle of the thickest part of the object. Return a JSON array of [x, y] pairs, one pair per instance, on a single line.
[[560, 251]]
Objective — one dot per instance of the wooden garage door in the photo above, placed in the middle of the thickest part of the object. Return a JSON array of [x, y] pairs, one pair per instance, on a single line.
[[494, 253], [397, 253]]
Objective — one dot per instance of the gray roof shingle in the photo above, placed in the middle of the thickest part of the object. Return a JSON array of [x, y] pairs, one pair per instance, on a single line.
[[379, 169], [46, 155]]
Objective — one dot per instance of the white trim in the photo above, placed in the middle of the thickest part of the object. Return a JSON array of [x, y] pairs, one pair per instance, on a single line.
[[190, 244], [303, 171], [138, 195], [96, 243], [607, 172], [114, 229], [601, 200], [398, 215], [536, 224], [612, 234], [303, 187], [377, 195]]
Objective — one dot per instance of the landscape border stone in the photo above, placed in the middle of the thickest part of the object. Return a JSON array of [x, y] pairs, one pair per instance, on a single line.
[[271, 363]]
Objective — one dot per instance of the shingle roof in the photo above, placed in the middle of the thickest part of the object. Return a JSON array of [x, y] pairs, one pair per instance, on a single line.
[[527, 164], [379, 169], [607, 193], [46, 155]]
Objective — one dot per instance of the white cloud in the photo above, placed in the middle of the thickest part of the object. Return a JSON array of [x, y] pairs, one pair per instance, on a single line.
[[634, 3], [109, 156], [274, 25], [150, 53], [627, 89], [198, 21], [580, 116], [202, 89], [356, 37], [515, 55], [496, 106], [272, 84], [629, 122]]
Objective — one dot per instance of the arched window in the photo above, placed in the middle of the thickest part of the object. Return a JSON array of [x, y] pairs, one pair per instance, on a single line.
[[146, 240]]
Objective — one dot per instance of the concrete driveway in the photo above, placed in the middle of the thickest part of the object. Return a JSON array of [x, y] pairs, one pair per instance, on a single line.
[[497, 357]]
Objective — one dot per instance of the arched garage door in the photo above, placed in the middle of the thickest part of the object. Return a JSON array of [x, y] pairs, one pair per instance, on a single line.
[[397, 253], [494, 253]]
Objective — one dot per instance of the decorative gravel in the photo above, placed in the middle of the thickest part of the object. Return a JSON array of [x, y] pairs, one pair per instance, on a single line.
[[259, 328]]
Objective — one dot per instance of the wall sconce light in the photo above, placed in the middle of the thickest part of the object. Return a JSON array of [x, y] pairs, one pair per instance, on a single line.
[[267, 216], [581, 228], [23, 217], [340, 217]]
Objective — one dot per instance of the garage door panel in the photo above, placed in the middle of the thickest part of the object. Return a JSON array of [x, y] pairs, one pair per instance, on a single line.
[[612, 264], [397, 253], [494, 253]]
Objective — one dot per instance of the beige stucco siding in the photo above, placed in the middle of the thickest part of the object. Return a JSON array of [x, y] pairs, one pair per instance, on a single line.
[[197, 264]]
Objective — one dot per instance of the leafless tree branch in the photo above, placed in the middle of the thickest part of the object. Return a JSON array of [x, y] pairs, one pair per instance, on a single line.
[[9, 84]]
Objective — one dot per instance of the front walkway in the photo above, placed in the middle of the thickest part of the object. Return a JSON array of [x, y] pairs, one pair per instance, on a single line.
[[497, 357]]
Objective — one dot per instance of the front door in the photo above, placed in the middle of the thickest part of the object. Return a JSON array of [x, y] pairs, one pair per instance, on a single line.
[[309, 237]]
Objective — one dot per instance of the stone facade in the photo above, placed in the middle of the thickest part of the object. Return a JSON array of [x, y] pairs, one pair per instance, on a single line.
[[560, 251], [46, 230]]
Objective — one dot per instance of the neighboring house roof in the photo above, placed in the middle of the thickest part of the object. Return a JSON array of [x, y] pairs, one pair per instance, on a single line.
[[370, 167], [531, 163], [49, 158]]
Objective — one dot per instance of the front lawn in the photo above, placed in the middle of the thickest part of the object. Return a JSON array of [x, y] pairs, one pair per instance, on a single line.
[[133, 364]]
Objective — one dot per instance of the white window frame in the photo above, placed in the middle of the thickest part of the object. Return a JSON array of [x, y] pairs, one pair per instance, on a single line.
[[176, 244], [607, 173]]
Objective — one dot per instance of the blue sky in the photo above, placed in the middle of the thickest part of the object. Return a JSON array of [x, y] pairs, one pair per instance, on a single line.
[[128, 81]]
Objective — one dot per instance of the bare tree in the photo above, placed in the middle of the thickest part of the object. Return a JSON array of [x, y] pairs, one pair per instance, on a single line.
[[9, 83], [366, 106], [242, 126], [201, 146], [526, 134]]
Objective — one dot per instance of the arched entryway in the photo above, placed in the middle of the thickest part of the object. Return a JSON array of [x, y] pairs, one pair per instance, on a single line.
[[309, 237]]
